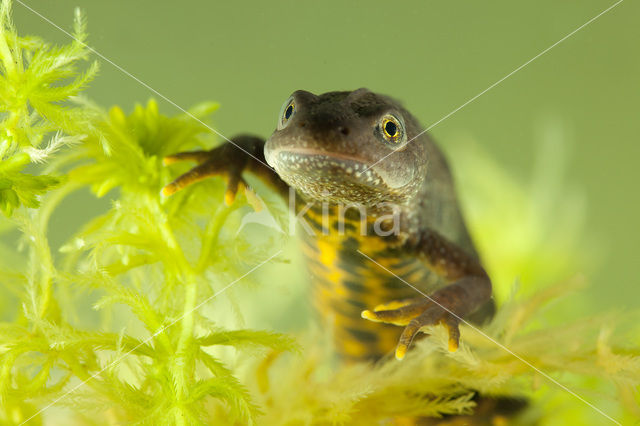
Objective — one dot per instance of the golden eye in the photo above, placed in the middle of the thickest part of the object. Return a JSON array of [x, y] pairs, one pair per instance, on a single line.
[[391, 129], [288, 110]]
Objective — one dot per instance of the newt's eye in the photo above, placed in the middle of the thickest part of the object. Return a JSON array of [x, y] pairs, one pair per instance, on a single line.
[[391, 130], [287, 111]]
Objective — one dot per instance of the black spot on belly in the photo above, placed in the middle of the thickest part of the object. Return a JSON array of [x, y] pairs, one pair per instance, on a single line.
[[355, 286], [316, 225], [350, 244], [348, 256], [317, 209], [393, 284], [343, 226], [356, 304], [350, 266], [362, 335]]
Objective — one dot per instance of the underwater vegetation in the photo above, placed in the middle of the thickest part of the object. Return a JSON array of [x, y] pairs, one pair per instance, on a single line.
[[127, 319]]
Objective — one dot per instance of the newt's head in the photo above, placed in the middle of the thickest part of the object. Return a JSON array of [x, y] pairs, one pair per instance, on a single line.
[[339, 147]]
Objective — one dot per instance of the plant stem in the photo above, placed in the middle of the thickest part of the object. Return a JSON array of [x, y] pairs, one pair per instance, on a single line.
[[186, 335], [181, 366], [211, 235]]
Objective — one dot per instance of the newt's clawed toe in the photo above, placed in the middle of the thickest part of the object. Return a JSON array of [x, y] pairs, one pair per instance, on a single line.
[[398, 312], [415, 314], [432, 316]]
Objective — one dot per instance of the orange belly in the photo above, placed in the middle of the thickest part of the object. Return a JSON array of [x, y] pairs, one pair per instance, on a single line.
[[344, 283]]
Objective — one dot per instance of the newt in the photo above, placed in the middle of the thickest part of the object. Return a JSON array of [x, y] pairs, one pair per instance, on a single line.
[[379, 208]]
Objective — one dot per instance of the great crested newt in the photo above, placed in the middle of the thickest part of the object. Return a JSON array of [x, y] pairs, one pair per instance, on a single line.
[[380, 211]]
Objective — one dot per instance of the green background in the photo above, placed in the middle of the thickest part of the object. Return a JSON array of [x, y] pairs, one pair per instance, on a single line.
[[432, 55]]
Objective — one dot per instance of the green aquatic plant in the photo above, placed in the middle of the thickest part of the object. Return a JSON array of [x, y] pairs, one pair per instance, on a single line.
[[36, 82], [151, 255], [130, 316]]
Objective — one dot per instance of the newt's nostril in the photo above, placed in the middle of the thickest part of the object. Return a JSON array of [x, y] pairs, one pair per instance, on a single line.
[[302, 124], [343, 130]]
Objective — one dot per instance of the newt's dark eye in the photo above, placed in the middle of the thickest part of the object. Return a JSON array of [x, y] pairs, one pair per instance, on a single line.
[[288, 110], [391, 130]]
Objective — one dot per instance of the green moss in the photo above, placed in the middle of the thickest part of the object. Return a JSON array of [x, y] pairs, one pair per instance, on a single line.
[[124, 319]]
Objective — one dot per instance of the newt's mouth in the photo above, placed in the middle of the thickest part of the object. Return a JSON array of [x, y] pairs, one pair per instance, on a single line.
[[330, 177], [330, 168]]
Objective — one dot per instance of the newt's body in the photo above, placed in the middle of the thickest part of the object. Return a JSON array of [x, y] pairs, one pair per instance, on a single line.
[[346, 283], [379, 212]]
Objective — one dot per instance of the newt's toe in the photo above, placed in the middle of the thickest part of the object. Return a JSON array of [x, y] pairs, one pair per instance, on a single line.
[[397, 312], [452, 325], [406, 338], [197, 156], [168, 190]]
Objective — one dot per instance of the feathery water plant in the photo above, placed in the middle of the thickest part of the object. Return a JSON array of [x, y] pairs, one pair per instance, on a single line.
[[149, 254], [37, 80]]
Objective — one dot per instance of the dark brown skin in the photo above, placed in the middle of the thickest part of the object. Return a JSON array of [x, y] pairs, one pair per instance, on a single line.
[[338, 148]]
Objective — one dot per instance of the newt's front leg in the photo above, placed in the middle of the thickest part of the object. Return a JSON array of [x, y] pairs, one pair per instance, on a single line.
[[228, 160], [469, 288]]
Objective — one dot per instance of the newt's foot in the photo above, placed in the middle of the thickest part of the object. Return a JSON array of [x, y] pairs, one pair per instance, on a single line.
[[415, 314], [221, 161]]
